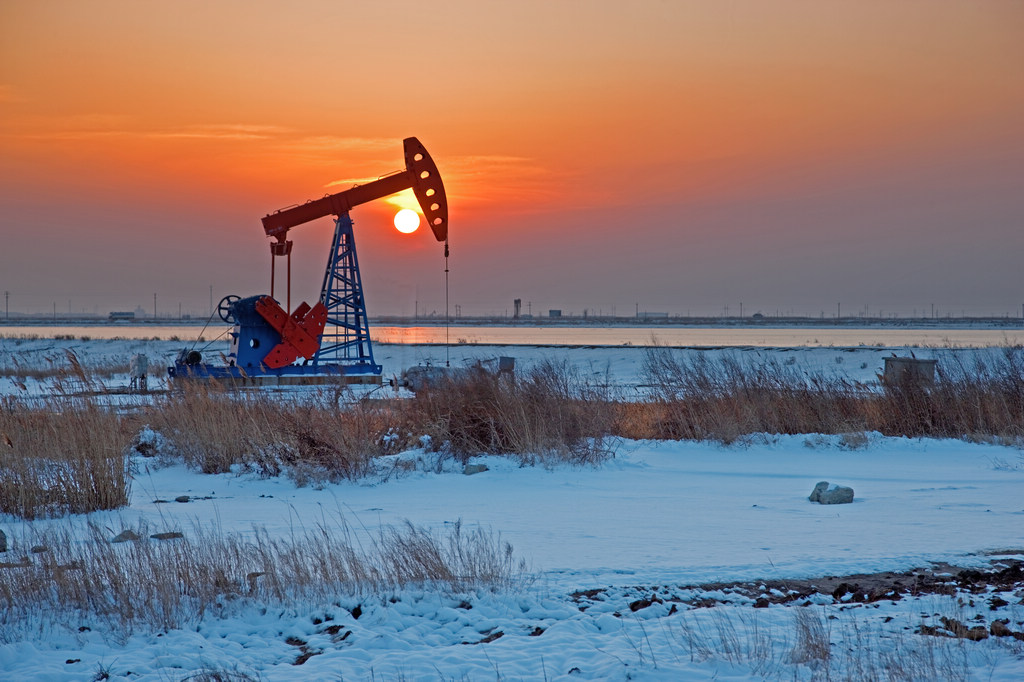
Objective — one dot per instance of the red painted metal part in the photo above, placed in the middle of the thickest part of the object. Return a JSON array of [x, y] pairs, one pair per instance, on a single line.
[[300, 332], [420, 175]]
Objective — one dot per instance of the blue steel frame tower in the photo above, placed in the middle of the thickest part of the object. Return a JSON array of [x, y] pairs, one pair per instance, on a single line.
[[346, 337]]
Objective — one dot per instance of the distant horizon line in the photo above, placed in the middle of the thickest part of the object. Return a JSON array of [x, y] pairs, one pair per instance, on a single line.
[[756, 319]]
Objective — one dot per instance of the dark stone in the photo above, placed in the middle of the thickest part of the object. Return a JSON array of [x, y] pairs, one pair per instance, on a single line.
[[823, 493], [819, 488], [172, 535], [841, 590], [126, 536], [999, 628], [643, 603]]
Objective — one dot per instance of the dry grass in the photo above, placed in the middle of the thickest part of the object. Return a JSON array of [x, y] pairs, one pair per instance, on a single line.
[[150, 584], [321, 442], [214, 428], [812, 634], [67, 454], [62, 457], [847, 649], [547, 413], [55, 365], [724, 400]]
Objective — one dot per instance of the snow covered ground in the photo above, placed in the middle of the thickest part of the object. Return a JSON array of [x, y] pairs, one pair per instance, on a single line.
[[622, 558]]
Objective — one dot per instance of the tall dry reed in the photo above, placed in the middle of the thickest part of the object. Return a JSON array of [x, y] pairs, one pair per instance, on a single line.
[[61, 457], [147, 584], [546, 412], [213, 428], [723, 399]]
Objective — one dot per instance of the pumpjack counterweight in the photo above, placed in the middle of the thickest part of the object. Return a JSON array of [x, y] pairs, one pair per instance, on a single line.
[[331, 338]]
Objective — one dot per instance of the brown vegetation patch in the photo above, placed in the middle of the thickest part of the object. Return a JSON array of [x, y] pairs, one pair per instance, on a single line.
[[1003, 575], [61, 457], [699, 398], [156, 585], [546, 412]]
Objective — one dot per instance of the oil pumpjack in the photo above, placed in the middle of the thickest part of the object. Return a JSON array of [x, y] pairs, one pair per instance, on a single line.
[[330, 339]]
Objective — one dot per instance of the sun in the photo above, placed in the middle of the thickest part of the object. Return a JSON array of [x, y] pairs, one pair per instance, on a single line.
[[407, 221]]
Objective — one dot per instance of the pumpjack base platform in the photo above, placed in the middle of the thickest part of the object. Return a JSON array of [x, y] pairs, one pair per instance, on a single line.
[[308, 380], [293, 375]]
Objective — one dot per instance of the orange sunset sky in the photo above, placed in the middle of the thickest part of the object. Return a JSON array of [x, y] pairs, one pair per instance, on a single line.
[[678, 156]]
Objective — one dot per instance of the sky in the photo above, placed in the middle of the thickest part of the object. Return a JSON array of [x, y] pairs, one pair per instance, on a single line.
[[694, 158]]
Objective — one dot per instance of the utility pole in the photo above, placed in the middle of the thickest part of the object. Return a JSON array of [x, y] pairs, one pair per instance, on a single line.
[[154, 306], [211, 300], [7, 304]]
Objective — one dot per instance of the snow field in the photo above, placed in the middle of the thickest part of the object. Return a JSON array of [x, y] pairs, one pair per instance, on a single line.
[[659, 517], [645, 529]]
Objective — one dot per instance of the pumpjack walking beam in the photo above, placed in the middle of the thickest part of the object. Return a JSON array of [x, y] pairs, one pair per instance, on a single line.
[[420, 175]]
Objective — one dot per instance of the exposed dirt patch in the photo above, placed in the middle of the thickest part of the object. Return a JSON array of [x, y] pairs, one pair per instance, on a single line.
[[1004, 576]]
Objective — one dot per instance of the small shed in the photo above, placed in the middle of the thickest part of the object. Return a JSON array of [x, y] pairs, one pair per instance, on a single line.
[[909, 370]]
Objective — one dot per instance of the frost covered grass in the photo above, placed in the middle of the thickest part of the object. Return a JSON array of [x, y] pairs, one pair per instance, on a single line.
[[138, 581], [56, 365], [726, 398], [824, 644]]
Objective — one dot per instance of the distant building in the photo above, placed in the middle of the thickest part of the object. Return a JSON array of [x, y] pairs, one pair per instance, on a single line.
[[653, 316], [554, 313], [121, 316]]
